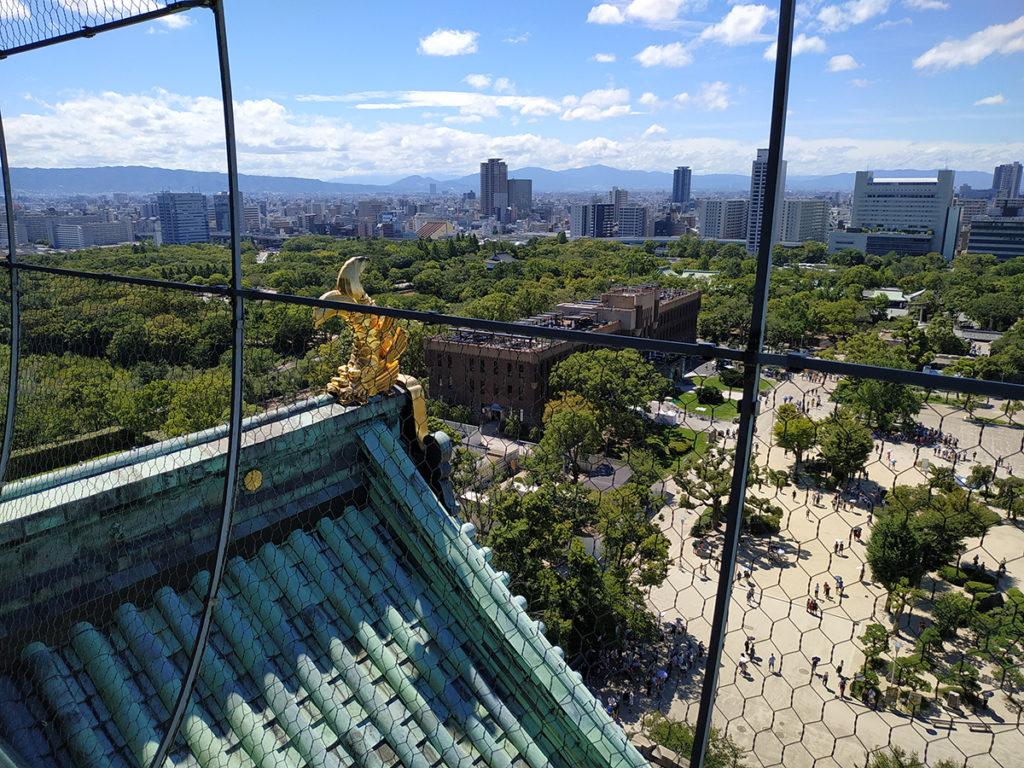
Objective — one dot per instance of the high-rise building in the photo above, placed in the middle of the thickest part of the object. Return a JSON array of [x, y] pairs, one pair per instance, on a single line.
[[758, 188], [681, 185], [182, 218], [635, 221], [222, 211], [722, 219], [1000, 236], [493, 181], [1006, 180], [520, 196], [915, 206], [618, 198], [804, 220], [592, 220]]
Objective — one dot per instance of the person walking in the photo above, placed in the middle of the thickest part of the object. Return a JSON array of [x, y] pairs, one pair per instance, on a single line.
[[824, 679], [816, 588], [815, 660], [771, 664], [842, 687]]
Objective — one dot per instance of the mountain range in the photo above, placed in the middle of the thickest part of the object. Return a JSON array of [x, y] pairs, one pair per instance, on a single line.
[[591, 178]]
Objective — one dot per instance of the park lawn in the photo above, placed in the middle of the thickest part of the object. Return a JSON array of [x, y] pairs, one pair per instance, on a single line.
[[675, 438], [716, 382], [727, 411]]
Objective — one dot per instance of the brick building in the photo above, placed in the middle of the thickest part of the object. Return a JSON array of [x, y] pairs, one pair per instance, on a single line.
[[496, 375]]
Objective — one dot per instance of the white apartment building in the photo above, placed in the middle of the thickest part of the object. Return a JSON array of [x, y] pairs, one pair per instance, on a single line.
[[804, 220], [635, 221], [758, 187], [722, 219]]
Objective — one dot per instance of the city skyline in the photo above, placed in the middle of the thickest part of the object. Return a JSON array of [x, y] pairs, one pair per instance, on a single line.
[[690, 84]]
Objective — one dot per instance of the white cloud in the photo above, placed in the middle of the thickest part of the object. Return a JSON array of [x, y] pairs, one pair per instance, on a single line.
[[844, 62], [860, 82], [743, 24], [711, 97], [927, 5], [599, 104], [906, 21], [133, 129], [110, 8], [835, 18], [669, 55], [604, 58], [14, 9], [655, 130], [504, 85], [605, 13], [801, 44], [649, 99], [466, 102], [168, 23], [517, 39], [991, 101], [654, 11], [999, 38], [448, 42], [480, 82]]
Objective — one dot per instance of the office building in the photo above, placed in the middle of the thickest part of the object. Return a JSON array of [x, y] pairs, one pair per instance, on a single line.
[[758, 188], [182, 218], [635, 221], [618, 198], [1006, 180], [92, 234], [722, 219], [912, 206], [1000, 236], [497, 375], [880, 243], [520, 196], [493, 181], [805, 220], [681, 185], [592, 220], [222, 211]]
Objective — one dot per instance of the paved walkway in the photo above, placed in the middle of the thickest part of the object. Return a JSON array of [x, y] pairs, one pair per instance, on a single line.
[[790, 716]]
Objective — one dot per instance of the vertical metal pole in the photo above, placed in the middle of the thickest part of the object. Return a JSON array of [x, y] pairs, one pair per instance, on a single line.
[[15, 340], [235, 424], [751, 392]]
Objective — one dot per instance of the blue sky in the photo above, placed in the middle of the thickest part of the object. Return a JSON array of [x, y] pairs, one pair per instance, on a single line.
[[381, 90]]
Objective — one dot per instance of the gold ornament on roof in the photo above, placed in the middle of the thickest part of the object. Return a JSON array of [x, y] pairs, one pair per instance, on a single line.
[[377, 345], [377, 341]]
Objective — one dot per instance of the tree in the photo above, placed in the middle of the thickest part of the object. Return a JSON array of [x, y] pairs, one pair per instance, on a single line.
[[571, 434], [677, 736], [883, 404], [951, 611], [942, 339], [794, 432], [617, 384], [894, 552], [874, 642], [845, 444], [705, 481]]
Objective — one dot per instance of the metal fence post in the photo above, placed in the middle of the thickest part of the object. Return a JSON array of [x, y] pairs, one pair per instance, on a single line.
[[235, 423], [751, 392], [15, 340]]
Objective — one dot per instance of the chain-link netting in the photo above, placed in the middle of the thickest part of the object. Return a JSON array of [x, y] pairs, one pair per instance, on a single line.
[[29, 22]]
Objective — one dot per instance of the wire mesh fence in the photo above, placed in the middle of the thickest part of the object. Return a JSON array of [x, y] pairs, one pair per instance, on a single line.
[[516, 558]]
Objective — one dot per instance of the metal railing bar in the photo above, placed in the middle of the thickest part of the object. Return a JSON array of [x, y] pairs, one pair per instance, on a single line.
[[15, 340], [92, 31], [751, 389], [235, 424]]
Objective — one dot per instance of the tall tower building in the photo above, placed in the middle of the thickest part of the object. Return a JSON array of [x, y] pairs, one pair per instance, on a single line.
[[758, 187], [182, 218], [917, 206], [222, 211], [1006, 180], [681, 185], [618, 198], [493, 181], [520, 196], [804, 220]]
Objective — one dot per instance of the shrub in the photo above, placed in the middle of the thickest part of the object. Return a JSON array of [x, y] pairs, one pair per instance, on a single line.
[[859, 687], [710, 396], [731, 377], [978, 587], [953, 575], [677, 736], [952, 610], [704, 524]]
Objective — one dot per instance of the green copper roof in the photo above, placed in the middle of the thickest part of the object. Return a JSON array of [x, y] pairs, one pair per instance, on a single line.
[[377, 636]]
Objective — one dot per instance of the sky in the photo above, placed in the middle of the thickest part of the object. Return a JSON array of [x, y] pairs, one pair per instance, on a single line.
[[376, 91]]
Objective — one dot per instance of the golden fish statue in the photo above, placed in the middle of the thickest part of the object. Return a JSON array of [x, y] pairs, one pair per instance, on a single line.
[[377, 345]]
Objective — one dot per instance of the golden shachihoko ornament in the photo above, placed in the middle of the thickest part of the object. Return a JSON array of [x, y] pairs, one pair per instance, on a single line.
[[377, 346]]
